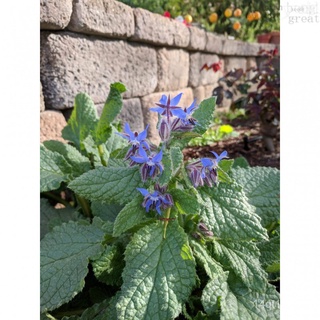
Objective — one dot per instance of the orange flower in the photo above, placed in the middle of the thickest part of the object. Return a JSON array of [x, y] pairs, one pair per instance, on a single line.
[[213, 18], [228, 13], [237, 13]]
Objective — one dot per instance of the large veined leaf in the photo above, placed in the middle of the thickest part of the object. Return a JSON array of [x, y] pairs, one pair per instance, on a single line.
[[80, 164], [114, 142], [204, 115], [185, 202], [270, 251], [213, 268], [53, 169], [132, 214], [237, 302], [243, 259], [65, 254], [158, 276], [111, 185], [108, 268], [107, 212], [111, 109], [227, 212], [82, 122], [262, 187]]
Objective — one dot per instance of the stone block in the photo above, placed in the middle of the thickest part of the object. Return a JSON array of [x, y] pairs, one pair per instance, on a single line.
[[55, 14], [131, 112], [214, 43], [42, 105], [51, 125], [235, 63], [72, 63], [181, 36], [198, 39], [208, 90], [151, 117], [159, 30], [173, 69], [199, 94], [102, 17], [204, 77]]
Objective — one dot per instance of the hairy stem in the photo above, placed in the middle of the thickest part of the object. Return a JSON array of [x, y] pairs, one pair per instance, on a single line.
[[85, 206], [101, 152], [165, 224]]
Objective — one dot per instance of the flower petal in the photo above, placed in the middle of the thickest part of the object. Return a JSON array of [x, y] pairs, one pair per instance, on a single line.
[[158, 157], [206, 162], [138, 159], [176, 99], [128, 131], [143, 135], [192, 107], [143, 191], [163, 99], [179, 113]]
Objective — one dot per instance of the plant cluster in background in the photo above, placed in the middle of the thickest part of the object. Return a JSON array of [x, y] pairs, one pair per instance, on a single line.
[[145, 235], [259, 93], [242, 19]]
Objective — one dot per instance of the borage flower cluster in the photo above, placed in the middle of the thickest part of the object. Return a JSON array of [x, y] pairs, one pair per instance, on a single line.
[[172, 118]]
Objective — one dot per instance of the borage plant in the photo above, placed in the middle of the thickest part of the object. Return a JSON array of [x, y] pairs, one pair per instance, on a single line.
[[131, 231]]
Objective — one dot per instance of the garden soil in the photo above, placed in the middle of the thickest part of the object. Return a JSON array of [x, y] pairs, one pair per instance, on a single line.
[[247, 144]]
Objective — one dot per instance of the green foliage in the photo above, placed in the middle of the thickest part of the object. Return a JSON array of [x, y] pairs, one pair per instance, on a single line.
[[214, 134], [213, 253], [201, 10]]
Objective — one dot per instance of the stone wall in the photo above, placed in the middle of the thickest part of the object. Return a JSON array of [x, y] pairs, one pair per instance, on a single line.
[[88, 44]]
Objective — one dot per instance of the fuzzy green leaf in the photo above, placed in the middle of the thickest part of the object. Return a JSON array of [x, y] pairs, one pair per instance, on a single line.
[[156, 279], [270, 251], [65, 253], [107, 212], [181, 139], [226, 165], [92, 313], [111, 109], [172, 160], [227, 212], [211, 266], [114, 142], [82, 122], [111, 185], [262, 187], [215, 290], [108, 268], [185, 202], [241, 162], [204, 115], [238, 302], [92, 151], [51, 217], [53, 169], [80, 164], [243, 259], [132, 214]]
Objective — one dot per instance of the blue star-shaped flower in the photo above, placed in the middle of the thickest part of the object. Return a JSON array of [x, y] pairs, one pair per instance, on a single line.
[[135, 139], [151, 164], [167, 105]]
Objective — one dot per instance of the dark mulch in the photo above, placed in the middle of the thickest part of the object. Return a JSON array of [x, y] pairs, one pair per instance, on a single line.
[[248, 144]]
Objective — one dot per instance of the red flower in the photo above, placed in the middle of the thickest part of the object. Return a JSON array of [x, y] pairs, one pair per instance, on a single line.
[[215, 66], [167, 14]]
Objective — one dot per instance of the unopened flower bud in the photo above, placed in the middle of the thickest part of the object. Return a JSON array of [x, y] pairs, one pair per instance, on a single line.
[[164, 130]]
